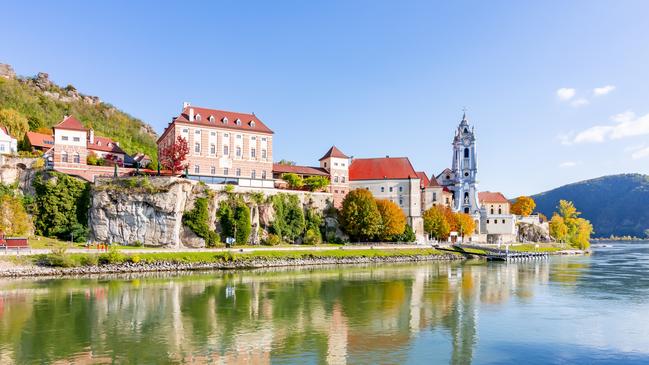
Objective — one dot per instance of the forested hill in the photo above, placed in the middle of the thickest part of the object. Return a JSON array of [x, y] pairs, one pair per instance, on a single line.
[[44, 104], [615, 205]]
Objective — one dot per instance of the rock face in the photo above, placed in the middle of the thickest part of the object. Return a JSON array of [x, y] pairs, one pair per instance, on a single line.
[[533, 233], [17, 170], [154, 219], [7, 71]]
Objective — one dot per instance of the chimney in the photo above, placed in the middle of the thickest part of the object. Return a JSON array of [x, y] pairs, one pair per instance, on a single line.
[[91, 137], [186, 104], [191, 114]]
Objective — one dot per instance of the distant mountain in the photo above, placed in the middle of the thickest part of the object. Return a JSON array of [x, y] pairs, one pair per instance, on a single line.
[[44, 104], [615, 205]]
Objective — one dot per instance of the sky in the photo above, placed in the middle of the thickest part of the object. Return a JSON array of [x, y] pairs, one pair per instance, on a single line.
[[558, 91]]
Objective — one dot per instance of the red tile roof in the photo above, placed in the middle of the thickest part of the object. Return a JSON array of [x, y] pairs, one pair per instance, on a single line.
[[423, 179], [433, 182], [381, 168], [249, 122], [70, 123], [333, 152], [105, 144], [4, 129], [300, 170], [40, 140], [489, 197]]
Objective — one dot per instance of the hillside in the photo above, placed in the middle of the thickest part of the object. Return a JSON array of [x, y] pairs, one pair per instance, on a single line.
[[44, 104], [615, 205]]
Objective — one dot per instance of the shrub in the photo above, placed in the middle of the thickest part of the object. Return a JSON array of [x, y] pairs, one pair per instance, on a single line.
[[135, 259], [289, 223], [113, 256], [197, 220], [272, 240], [38, 164], [138, 243], [312, 237], [89, 260], [316, 183], [294, 181]]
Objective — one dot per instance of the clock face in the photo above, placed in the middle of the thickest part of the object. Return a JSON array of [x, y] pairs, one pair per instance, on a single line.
[[466, 141]]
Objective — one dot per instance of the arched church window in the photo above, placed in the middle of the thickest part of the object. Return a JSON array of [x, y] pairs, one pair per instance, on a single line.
[[466, 210], [466, 153], [466, 198], [448, 177], [466, 130]]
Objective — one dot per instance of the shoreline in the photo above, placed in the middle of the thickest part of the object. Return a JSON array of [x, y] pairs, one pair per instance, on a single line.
[[19, 271]]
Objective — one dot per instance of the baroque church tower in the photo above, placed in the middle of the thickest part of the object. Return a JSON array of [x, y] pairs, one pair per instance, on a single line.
[[465, 169]]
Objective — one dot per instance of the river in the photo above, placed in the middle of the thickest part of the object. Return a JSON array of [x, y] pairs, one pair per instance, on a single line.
[[580, 309]]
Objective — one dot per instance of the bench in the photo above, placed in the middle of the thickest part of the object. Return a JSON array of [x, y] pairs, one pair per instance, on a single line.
[[14, 243]]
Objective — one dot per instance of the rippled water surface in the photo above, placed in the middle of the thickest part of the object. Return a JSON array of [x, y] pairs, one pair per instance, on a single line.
[[592, 309]]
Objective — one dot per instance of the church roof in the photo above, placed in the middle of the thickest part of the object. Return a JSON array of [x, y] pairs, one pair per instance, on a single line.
[[381, 168], [491, 197], [333, 152]]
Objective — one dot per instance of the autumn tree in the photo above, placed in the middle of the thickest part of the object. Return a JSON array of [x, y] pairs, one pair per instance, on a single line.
[[392, 218], [436, 224], [466, 224], [574, 230], [524, 205], [16, 123], [294, 181], [173, 157], [14, 221], [558, 228], [359, 216]]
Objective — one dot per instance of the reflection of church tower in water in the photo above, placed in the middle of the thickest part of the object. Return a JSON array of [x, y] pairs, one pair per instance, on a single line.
[[465, 169]]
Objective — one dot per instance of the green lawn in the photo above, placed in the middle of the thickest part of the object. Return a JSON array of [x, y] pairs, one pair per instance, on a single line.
[[543, 247]]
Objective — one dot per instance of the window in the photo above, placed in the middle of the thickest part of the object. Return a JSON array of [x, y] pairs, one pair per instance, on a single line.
[[342, 179], [400, 201], [503, 221], [64, 138], [197, 132], [238, 136], [466, 130], [263, 139], [64, 157], [237, 122], [238, 172], [390, 188], [325, 164], [198, 117], [400, 188], [335, 163], [252, 124], [466, 153], [253, 138], [263, 174], [227, 135], [224, 120], [185, 130], [495, 221], [466, 174], [225, 150], [213, 149], [197, 147], [263, 154], [500, 211], [434, 197], [492, 211], [342, 164], [76, 139], [225, 171], [487, 221], [213, 134], [238, 151], [382, 189], [197, 169], [335, 178], [253, 174], [253, 153], [77, 158], [213, 170], [211, 119]]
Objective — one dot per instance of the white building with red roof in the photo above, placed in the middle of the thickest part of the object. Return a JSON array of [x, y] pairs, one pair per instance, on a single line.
[[8, 144], [432, 193], [224, 147], [391, 178], [497, 224]]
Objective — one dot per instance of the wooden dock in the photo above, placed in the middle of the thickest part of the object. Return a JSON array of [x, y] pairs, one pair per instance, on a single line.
[[496, 254]]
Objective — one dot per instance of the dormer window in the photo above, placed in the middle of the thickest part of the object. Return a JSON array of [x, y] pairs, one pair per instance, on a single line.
[[252, 124], [198, 117], [237, 122], [98, 143], [225, 120], [211, 119]]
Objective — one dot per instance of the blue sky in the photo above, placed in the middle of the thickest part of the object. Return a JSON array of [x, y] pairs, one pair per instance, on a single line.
[[558, 90]]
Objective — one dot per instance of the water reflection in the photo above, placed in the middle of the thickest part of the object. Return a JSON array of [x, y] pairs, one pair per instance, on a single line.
[[391, 314]]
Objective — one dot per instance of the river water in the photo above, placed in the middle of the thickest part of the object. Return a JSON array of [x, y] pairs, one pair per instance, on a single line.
[[563, 310]]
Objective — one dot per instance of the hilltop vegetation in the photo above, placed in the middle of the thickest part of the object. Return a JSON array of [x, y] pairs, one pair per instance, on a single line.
[[44, 104], [615, 205]]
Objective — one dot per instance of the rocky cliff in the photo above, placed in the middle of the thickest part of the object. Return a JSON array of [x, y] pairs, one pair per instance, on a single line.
[[153, 214]]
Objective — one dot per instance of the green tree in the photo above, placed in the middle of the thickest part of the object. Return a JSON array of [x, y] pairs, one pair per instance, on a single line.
[[242, 219], [360, 217], [393, 221], [92, 159], [15, 122], [226, 219], [294, 181], [197, 220], [408, 235], [524, 205], [435, 223], [316, 183], [289, 222]]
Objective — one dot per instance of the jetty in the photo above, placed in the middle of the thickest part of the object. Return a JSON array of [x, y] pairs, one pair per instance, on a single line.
[[497, 254]]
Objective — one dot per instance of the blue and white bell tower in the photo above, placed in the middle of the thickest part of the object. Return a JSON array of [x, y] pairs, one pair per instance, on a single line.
[[465, 169]]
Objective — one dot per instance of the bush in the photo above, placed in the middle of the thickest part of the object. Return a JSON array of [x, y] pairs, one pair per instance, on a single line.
[[137, 244], [312, 237], [316, 183], [294, 181], [38, 164], [89, 260], [289, 223], [135, 259], [113, 256], [272, 240], [197, 220]]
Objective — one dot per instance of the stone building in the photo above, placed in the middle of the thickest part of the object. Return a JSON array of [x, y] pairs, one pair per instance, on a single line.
[[224, 147], [497, 224]]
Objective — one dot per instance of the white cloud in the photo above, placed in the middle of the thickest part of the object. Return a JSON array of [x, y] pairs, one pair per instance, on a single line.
[[626, 125], [599, 91], [568, 164], [580, 102], [640, 153], [566, 93]]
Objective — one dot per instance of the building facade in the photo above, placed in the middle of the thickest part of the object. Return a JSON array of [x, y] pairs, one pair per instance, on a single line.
[[336, 163], [224, 147], [464, 169], [8, 144], [394, 179], [497, 224]]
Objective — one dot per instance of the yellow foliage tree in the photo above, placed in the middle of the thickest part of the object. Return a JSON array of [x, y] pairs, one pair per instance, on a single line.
[[394, 221], [466, 224], [575, 230], [14, 221], [436, 224], [524, 205], [15, 122], [558, 228]]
